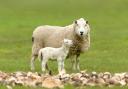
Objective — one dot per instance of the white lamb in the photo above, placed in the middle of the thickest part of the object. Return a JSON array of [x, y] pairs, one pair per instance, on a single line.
[[55, 53]]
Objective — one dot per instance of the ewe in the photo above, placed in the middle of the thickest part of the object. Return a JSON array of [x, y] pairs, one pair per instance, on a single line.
[[55, 53]]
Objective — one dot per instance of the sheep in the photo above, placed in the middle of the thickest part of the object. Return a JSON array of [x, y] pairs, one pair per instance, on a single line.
[[55, 53], [51, 36]]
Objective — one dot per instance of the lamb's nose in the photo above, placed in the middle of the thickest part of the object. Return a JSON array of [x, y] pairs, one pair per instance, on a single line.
[[81, 33]]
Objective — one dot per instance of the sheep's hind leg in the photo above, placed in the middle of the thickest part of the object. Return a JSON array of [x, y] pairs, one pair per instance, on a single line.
[[32, 62]]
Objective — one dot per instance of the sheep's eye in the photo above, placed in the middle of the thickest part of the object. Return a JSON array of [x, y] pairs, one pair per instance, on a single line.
[[76, 23], [66, 41]]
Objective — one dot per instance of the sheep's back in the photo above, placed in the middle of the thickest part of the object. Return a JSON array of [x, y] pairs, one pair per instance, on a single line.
[[42, 32], [49, 36]]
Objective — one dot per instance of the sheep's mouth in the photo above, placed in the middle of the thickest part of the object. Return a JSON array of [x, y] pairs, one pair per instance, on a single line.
[[81, 34]]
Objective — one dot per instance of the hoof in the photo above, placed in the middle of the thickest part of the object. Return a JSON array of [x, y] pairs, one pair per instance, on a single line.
[[50, 72]]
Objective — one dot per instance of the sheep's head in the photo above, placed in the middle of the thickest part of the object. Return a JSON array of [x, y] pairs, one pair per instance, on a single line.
[[81, 27], [68, 42]]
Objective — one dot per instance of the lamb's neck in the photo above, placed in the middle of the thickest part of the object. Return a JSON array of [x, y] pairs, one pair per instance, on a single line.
[[65, 49]]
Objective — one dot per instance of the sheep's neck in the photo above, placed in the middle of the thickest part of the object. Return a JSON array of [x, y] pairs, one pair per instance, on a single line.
[[77, 43]]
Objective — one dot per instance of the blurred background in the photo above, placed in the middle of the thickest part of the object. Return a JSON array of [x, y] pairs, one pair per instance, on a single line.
[[107, 19]]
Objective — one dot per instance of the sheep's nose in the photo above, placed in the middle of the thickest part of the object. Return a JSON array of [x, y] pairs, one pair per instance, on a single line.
[[81, 33]]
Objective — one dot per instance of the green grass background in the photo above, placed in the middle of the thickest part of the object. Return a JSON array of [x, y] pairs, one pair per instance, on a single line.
[[109, 32]]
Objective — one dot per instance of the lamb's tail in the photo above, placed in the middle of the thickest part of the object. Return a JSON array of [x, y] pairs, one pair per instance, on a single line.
[[40, 56]]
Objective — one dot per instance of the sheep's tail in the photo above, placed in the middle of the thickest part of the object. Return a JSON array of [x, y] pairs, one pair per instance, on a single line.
[[40, 56]]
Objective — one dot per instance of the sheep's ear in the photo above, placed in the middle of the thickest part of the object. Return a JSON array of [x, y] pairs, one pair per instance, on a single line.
[[75, 21], [87, 22]]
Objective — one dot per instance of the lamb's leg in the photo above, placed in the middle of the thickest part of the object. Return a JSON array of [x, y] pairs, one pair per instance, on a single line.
[[59, 65], [47, 68], [77, 62], [62, 66], [32, 62], [63, 69], [43, 64]]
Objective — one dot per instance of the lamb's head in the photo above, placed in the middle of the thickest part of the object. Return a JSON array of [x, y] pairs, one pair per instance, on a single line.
[[68, 43], [81, 27]]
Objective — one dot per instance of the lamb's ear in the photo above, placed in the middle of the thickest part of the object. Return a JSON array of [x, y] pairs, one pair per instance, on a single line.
[[65, 40]]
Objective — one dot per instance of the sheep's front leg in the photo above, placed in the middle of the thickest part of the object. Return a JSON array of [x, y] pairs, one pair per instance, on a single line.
[[77, 62], [32, 62], [73, 60]]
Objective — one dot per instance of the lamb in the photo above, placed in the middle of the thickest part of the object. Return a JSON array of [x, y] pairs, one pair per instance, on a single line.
[[55, 53], [52, 36]]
